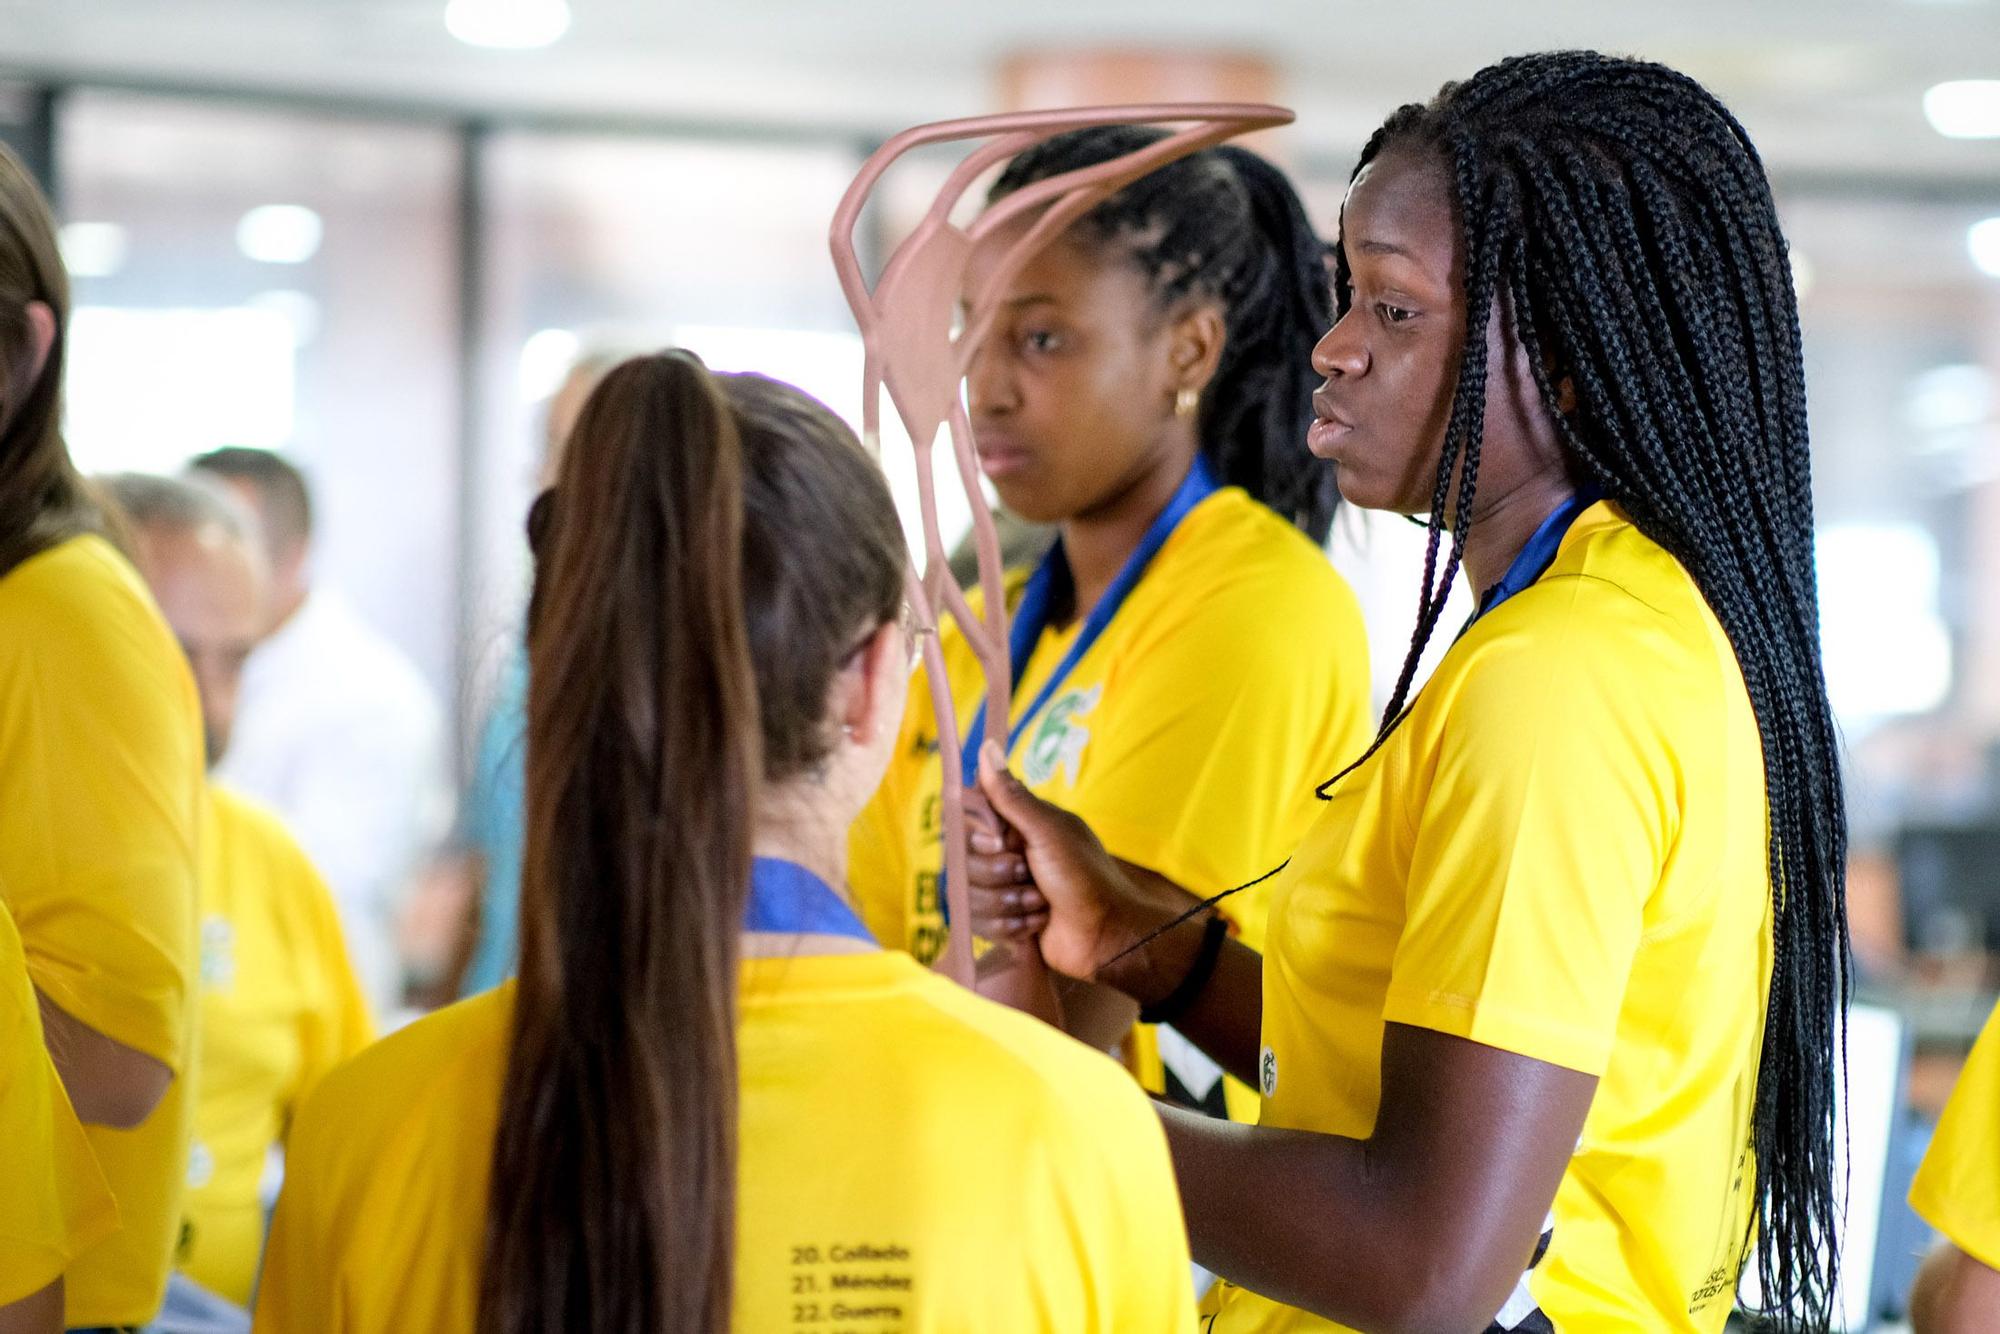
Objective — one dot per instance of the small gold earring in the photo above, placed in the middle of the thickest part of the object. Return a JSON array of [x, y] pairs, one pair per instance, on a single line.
[[1186, 401]]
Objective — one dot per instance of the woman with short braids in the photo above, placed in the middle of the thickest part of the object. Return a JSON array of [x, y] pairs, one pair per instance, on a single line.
[[1545, 1025], [1144, 389]]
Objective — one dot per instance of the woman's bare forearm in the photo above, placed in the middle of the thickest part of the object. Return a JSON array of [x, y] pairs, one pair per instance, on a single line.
[[109, 1083]]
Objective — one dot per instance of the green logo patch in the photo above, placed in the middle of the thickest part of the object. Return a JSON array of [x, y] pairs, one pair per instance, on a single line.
[[1060, 737]]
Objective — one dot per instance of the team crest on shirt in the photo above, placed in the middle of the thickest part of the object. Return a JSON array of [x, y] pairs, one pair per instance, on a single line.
[[201, 1165], [1059, 737], [1267, 1072], [218, 954]]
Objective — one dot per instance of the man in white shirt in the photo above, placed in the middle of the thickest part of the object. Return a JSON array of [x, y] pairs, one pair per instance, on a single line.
[[335, 728]]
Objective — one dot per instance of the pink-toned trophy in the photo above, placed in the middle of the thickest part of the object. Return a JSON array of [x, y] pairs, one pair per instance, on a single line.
[[906, 331]]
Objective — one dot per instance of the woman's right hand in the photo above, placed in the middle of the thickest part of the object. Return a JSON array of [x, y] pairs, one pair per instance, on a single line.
[[1046, 876]]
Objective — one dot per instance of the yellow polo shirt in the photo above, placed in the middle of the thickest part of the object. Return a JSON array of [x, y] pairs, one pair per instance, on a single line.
[[100, 786], [1561, 852], [1190, 736], [913, 1158], [280, 1007], [1957, 1190], [55, 1203]]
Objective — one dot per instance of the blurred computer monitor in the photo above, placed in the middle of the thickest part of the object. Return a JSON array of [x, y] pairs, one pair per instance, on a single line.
[[1949, 877]]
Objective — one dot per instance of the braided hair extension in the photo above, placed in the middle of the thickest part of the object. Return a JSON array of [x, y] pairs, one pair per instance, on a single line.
[[1629, 217], [1223, 223]]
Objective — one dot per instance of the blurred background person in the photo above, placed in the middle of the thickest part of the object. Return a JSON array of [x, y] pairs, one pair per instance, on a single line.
[[100, 787], [336, 730], [280, 1005], [460, 935]]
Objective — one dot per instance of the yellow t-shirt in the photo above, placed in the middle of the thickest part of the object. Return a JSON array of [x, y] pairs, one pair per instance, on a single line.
[[913, 1158], [1559, 853], [55, 1202], [1957, 1190], [1190, 737], [100, 785], [280, 1007]]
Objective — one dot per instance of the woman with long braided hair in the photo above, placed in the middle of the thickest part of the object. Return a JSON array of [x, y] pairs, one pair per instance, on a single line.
[[1548, 1010], [1141, 391]]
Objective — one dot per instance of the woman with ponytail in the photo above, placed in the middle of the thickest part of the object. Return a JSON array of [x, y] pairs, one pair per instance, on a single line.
[[1546, 1022], [711, 1101], [1146, 389]]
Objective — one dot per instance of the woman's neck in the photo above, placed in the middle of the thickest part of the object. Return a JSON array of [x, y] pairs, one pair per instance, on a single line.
[[1098, 542], [1501, 530], [797, 827]]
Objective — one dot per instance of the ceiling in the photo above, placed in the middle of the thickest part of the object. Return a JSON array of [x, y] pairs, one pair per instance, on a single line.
[[1830, 88]]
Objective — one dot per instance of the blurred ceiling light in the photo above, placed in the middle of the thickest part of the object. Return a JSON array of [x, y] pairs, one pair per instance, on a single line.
[[280, 233], [511, 25], [1965, 108], [93, 249], [545, 361], [1982, 240]]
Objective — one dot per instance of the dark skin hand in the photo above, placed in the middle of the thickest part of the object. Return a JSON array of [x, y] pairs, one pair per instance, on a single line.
[[1428, 1222], [1007, 906], [38, 1313]]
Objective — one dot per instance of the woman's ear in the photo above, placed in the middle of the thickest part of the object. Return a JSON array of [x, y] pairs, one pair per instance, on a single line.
[[1566, 396], [41, 337], [874, 701], [1194, 347]]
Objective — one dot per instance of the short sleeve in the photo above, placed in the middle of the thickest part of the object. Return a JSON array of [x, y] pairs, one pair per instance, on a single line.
[[1116, 1185], [294, 1289], [102, 768], [1540, 836], [1957, 1190], [56, 1202]]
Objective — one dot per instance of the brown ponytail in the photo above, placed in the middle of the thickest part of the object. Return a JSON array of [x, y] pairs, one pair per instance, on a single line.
[[699, 523], [43, 501], [614, 1166]]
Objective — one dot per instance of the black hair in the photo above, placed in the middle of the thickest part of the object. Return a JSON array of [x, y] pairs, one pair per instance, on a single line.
[[1626, 218], [1223, 223]]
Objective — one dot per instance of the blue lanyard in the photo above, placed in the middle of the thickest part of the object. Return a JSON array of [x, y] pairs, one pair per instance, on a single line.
[[1052, 580], [788, 899], [1540, 553]]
